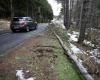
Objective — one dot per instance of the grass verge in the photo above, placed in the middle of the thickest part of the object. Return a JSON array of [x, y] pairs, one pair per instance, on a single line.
[[65, 68]]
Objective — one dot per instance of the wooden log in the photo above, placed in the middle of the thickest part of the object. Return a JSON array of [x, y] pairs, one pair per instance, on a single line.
[[74, 58]]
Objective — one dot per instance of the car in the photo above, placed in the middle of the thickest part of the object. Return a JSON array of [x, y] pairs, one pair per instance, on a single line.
[[22, 23]]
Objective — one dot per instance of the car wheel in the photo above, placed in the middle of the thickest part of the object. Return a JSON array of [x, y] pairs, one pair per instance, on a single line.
[[27, 29], [35, 27]]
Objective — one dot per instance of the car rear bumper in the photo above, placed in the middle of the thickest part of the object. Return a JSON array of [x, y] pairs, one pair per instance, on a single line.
[[18, 27]]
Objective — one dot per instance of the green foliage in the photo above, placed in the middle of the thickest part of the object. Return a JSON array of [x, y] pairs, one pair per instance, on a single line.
[[98, 6], [27, 8]]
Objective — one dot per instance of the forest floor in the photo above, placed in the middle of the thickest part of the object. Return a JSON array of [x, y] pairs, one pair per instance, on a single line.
[[40, 58], [85, 53]]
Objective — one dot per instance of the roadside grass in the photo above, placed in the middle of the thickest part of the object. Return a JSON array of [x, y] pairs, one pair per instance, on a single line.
[[33, 59], [2, 78], [23, 57], [65, 68]]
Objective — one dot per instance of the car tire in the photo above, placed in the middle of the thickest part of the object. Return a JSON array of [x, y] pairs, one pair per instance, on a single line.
[[27, 29], [35, 27]]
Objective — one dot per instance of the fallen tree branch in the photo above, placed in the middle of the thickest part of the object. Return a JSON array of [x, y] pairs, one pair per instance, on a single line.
[[74, 58]]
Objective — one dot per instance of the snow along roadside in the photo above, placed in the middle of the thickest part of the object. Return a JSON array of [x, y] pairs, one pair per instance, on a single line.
[[74, 38]]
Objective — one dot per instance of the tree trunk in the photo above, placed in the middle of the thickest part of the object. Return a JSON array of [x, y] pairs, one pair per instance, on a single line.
[[82, 28], [66, 14], [12, 8], [86, 11]]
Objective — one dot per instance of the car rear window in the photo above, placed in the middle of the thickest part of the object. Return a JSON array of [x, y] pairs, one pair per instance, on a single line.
[[22, 19], [28, 19], [17, 19]]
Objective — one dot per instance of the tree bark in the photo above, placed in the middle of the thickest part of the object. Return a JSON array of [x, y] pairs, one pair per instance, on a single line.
[[66, 14], [86, 11], [12, 8]]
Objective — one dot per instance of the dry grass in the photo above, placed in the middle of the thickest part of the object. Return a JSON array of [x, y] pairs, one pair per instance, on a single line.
[[4, 25], [34, 55], [42, 56]]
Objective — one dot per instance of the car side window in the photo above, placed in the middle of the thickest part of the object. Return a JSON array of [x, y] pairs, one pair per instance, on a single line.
[[29, 19], [26, 19]]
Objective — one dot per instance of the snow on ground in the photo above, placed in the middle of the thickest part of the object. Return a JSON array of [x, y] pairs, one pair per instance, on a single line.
[[74, 36], [75, 49], [95, 53], [79, 63], [21, 75], [58, 23], [88, 43]]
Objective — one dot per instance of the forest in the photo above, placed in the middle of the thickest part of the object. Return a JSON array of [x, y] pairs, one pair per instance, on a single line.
[[83, 15], [39, 9], [63, 47], [81, 19]]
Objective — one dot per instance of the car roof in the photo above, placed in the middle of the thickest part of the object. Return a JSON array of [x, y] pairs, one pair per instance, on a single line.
[[21, 17]]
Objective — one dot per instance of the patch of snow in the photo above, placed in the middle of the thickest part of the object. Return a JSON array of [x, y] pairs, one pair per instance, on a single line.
[[76, 33], [21, 76], [74, 36], [75, 49], [88, 43], [80, 61], [59, 23], [80, 65], [75, 57], [63, 26], [27, 71], [96, 54], [31, 78], [98, 61]]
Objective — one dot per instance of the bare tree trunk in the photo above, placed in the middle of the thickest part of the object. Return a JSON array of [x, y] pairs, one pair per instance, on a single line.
[[27, 10], [66, 14], [82, 28], [86, 11], [12, 8], [77, 12]]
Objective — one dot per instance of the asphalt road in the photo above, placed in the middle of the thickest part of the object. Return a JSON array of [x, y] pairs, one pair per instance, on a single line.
[[11, 40]]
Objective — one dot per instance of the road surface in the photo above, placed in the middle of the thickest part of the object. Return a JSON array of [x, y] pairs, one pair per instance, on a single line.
[[10, 40]]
